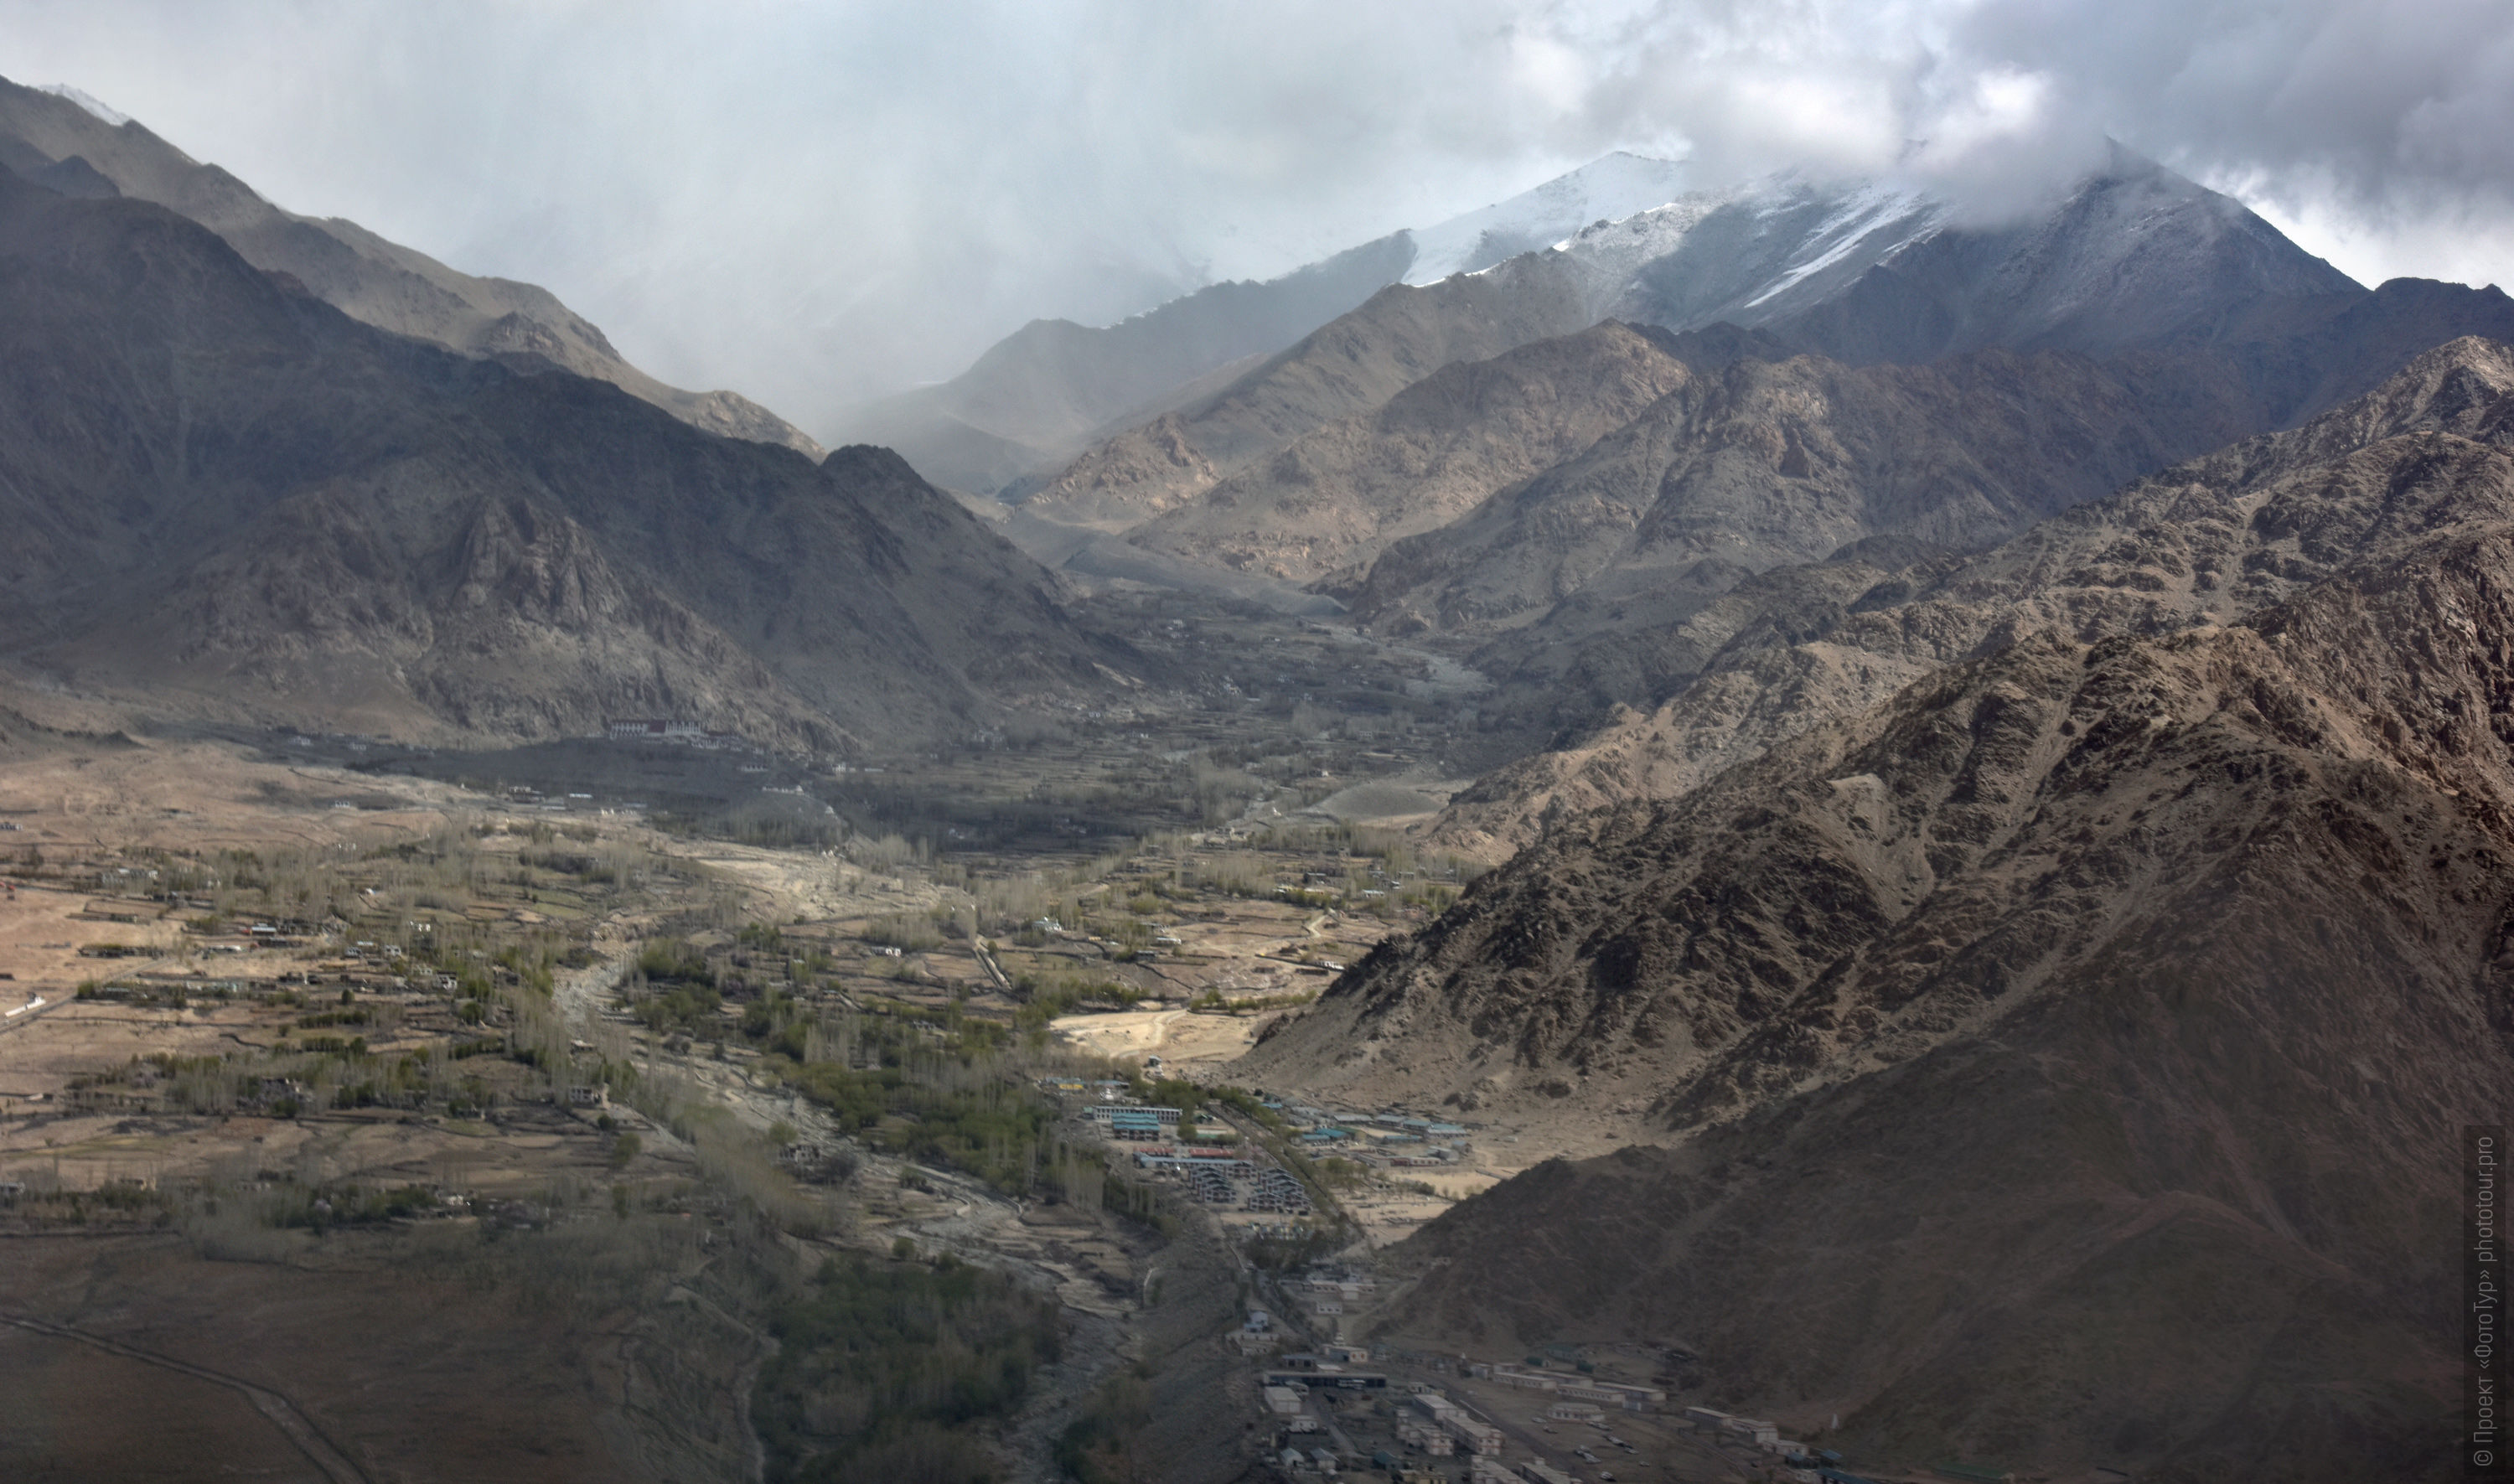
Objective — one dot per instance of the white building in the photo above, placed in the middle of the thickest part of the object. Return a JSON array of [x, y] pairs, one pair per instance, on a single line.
[[1752, 1430]]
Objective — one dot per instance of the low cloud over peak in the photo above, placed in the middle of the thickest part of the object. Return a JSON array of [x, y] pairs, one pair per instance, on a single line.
[[818, 205]]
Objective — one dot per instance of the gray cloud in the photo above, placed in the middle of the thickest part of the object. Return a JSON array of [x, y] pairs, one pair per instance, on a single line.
[[816, 204]]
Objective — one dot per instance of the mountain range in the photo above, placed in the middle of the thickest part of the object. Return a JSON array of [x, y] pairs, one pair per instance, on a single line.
[[233, 498], [1785, 372], [2011, 721], [2062, 1057], [1044, 394], [62, 141]]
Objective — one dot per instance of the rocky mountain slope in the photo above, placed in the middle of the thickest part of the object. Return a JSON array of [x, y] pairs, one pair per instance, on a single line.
[[48, 138], [2209, 541], [1430, 454], [227, 496], [2062, 1062], [1349, 366], [1763, 463], [2131, 255], [1052, 388]]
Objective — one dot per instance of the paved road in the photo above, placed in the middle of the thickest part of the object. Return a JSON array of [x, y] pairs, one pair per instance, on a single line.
[[17, 1018]]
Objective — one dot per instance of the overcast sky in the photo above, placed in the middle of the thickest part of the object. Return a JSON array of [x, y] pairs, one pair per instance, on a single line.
[[816, 203]]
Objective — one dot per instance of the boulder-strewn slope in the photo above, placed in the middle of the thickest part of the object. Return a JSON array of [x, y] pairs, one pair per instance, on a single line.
[[382, 283], [2063, 1061], [222, 489]]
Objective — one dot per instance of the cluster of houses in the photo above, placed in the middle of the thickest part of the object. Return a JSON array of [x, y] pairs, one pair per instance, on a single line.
[[1441, 1427], [1803, 1464], [1389, 1140], [1206, 1157], [1334, 1286], [1209, 1183], [1573, 1386], [681, 732], [1133, 1122], [1278, 1191], [1441, 1433]]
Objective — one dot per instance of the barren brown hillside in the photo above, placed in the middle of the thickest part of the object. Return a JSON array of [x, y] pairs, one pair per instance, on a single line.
[[1761, 463], [238, 498], [2061, 1062], [370, 279], [1354, 363], [1433, 452], [2205, 541]]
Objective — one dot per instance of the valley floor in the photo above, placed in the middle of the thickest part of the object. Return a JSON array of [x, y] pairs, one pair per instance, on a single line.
[[333, 1086]]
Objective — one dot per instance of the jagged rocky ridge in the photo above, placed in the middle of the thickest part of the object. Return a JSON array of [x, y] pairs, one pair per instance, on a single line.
[[229, 496], [2131, 257], [2061, 1062], [1462, 463], [2205, 541]]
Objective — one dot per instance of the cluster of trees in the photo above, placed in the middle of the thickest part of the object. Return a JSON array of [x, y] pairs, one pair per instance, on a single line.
[[878, 1363], [937, 1091]]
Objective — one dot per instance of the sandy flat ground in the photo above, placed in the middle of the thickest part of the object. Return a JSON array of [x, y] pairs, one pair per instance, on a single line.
[[41, 930], [78, 800], [1179, 1037], [205, 796]]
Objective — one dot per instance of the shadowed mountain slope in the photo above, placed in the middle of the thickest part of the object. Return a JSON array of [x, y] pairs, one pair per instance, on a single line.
[[2131, 255], [1764, 464], [2073, 986], [2063, 1061], [340, 263], [226, 490]]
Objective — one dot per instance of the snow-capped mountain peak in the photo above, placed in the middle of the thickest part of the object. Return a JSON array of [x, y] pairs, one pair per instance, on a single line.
[[1603, 190], [92, 104]]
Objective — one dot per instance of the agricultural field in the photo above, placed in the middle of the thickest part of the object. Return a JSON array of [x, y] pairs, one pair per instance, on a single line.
[[622, 1093]]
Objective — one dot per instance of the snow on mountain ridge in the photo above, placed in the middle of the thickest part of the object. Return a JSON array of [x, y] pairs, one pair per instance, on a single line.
[[1608, 254], [1611, 188], [1777, 234], [88, 100], [1866, 211]]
